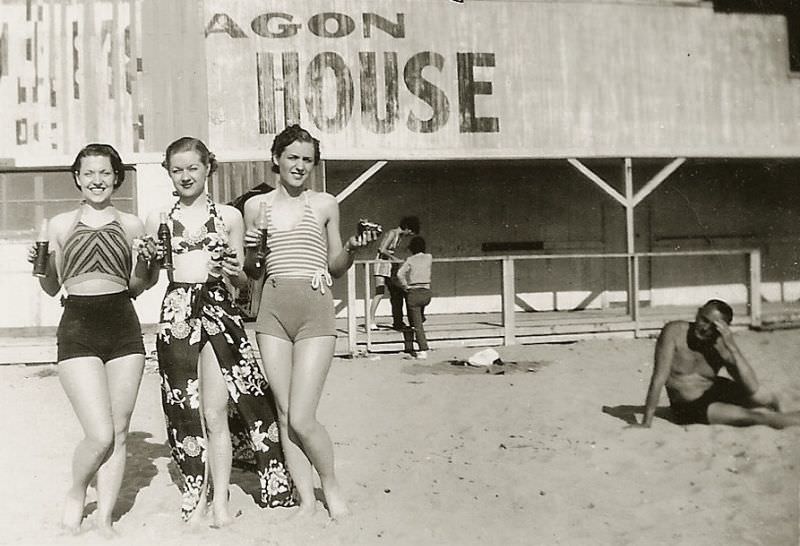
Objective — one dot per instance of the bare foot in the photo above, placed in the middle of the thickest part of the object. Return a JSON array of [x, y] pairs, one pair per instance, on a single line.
[[73, 512], [105, 530], [222, 517], [198, 517], [337, 506]]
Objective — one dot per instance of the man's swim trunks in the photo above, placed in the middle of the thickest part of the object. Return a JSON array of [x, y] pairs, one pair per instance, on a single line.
[[696, 411]]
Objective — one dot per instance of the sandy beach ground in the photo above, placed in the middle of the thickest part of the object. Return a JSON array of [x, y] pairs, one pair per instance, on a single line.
[[533, 452]]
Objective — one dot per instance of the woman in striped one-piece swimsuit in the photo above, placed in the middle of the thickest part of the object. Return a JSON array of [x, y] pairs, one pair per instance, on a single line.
[[295, 328]]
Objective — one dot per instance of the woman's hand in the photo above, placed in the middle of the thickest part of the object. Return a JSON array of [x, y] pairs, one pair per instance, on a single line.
[[32, 253], [359, 241], [148, 249], [231, 265], [252, 238]]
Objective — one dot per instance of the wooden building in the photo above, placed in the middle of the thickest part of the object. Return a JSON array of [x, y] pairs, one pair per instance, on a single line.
[[524, 127]]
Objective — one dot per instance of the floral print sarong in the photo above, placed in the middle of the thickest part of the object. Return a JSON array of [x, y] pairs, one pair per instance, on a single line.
[[191, 315]]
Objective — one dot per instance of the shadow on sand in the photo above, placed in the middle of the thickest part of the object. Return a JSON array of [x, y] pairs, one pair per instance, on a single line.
[[629, 413], [139, 471]]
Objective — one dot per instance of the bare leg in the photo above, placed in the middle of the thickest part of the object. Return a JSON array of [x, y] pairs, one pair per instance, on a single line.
[[373, 307], [720, 413], [312, 360], [123, 375], [276, 359], [768, 399], [84, 382], [214, 405]]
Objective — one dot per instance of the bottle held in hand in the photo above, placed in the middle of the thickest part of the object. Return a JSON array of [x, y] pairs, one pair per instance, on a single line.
[[165, 238], [256, 256], [42, 252], [261, 224]]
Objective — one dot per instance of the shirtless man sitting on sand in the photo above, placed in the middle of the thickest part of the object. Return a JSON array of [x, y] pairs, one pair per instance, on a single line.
[[689, 355]]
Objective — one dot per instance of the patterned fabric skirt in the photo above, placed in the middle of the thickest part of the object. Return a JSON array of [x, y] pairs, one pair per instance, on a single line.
[[191, 316]]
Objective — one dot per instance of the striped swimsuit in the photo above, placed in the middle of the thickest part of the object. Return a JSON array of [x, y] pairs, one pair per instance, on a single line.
[[96, 253], [296, 302], [103, 325], [299, 252]]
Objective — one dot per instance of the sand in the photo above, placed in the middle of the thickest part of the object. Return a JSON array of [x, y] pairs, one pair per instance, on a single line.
[[533, 452]]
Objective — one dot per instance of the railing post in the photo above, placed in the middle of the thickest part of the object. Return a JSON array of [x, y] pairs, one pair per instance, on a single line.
[[351, 310], [755, 288], [635, 294], [367, 305], [508, 298]]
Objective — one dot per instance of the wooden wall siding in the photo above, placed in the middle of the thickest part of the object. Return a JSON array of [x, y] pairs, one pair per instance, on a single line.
[[551, 79], [174, 71], [560, 79], [234, 178], [127, 72], [68, 76]]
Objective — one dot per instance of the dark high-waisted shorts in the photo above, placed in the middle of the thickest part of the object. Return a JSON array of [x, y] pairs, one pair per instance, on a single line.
[[104, 326], [696, 411]]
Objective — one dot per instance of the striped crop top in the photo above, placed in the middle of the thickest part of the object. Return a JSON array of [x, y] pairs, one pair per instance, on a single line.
[[96, 253], [300, 252]]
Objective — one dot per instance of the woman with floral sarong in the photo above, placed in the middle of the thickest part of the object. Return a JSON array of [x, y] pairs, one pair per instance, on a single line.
[[216, 400]]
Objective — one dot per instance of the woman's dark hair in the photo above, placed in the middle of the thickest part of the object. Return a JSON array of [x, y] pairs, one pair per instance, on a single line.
[[103, 150], [723, 308], [417, 245], [293, 133], [410, 223], [191, 144]]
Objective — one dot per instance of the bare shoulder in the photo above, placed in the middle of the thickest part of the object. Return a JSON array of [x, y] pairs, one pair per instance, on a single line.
[[321, 198], [230, 215], [254, 202], [130, 220], [674, 330], [62, 220], [323, 202]]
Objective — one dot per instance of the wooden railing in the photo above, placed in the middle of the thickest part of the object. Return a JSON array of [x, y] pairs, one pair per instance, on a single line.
[[508, 285]]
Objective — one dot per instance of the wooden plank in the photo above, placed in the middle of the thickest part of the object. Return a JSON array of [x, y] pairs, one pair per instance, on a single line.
[[508, 292], [656, 181], [602, 184]]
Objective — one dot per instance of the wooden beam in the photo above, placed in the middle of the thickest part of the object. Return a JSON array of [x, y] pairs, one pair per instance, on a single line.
[[351, 311], [630, 241], [588, 173], [656, 181], [358, 182], [754, 305], [508, 292], [629, 224]]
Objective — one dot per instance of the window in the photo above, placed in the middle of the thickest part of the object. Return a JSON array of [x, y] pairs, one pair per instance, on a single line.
[[29, 195]]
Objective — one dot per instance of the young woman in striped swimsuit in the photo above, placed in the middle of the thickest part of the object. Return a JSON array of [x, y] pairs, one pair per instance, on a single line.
[[295, 328], [100, 350], [205, 359]]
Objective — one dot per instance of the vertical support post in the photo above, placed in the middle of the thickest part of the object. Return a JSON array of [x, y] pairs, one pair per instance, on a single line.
[[755, 288], [367, 305], [630, 245], [635, 294], [508, 297], [351, 311]]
